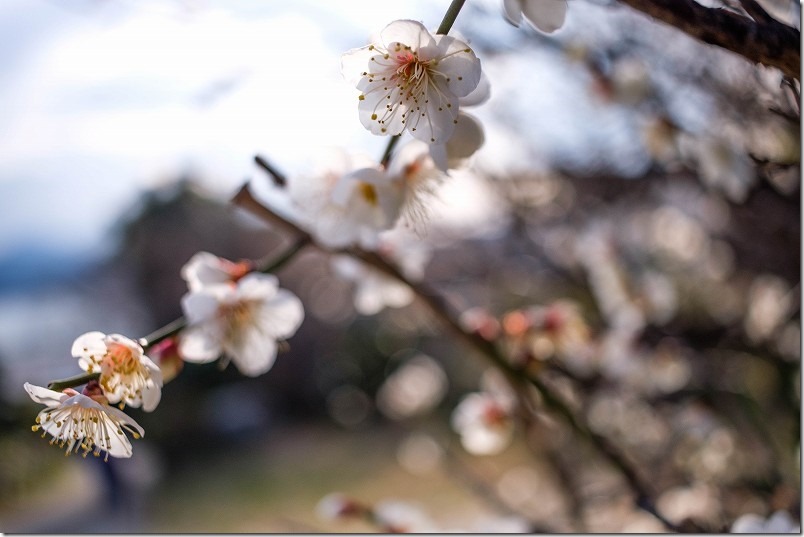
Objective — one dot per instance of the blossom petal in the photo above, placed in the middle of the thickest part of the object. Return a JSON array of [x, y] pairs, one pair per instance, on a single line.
[[434, 124], [546, 15], [89, 348], [199, 344], [458, 64], [282, 315], [253, 352], [204, 268], [44, 396], [466, 140], [152, 392], [512, 11], [384, 107], [202, 305], [257, 286], [355, 62], [480, 94], [407, 32]]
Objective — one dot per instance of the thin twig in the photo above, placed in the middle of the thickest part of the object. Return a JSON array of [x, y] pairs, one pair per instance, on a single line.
[[278, 178]]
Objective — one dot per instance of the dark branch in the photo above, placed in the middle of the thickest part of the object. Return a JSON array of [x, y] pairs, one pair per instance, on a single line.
[[768, 42]]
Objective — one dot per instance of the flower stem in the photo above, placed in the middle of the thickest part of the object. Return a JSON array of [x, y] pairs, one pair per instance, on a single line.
[[450, 16], [444, 28], [78, 380]]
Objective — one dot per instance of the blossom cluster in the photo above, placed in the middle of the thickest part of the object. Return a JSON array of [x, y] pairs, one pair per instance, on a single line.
[[410, 81], [230, 311]]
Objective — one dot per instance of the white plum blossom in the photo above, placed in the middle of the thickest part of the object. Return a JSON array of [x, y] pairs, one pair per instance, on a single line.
[[350, 200], [722, 162], [417, 177], [484, 421], [397, 516], [374, 290], [127, 375], [83, 422], [413, 389], [778, 522], [336, 506], [545, 15], [242, 320], [205, 268], [412, 80]]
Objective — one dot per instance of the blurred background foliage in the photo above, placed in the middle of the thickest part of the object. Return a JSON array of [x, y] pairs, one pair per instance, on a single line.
[[678, 246]]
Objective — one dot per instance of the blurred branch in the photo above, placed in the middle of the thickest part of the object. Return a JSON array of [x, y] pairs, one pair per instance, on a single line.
[[768, 42], [278, 178], [439, 306], [457, 468], [757, 12]]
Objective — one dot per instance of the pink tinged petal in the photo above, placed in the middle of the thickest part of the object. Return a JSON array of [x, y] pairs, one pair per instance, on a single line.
[[125, 341], [355, 62], [458, 64], [252, 352], [479, 95], [512, 11], [281, 316], [408, 32], [200, 344], [44, 396], [204, 268], [546, 15]]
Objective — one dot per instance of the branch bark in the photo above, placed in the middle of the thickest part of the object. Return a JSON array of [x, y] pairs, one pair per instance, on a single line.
[[771, 43]]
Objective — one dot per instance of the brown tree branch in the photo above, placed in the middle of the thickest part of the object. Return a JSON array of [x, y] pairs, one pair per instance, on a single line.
[[436, 303], [771, 43]]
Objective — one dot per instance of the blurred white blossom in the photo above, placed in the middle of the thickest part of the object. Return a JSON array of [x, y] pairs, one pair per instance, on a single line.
[[778, 522], [374, 290], [205, 268], [396, 516], [348, 200], [413, 389], [485, 422], [244, 320], [545, 15]]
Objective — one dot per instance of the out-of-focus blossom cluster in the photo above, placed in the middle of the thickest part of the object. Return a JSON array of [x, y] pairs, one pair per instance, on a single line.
[[398, 516]]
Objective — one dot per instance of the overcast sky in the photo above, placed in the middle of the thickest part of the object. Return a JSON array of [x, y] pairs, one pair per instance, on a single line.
[[103, 98]]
